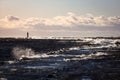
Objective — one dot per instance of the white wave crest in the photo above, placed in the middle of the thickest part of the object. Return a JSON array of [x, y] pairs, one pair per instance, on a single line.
[[20, 53]]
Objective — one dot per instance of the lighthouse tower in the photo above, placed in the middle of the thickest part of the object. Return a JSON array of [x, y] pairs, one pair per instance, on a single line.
[[27, 35]]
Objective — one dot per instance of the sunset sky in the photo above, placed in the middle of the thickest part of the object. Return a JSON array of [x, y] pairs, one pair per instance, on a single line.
[[72, 18]]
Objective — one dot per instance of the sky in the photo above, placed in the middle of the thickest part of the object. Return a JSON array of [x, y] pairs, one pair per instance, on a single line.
[[59, 18]]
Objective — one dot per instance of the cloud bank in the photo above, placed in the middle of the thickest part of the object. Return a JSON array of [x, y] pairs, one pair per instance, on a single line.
[[68, 25], [70, 20]]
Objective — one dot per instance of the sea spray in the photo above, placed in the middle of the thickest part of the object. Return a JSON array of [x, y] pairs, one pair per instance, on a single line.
[[20, 52]]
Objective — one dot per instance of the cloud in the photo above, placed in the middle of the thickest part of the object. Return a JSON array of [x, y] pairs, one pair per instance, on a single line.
[[12, 18], [11, 22], [70, 20]]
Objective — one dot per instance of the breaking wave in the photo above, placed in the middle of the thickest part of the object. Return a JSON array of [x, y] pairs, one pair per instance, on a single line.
[[22, 52], [103, 42], [19, 52]]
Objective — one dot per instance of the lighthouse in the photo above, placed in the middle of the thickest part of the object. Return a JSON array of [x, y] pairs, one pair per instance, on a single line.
[[27, 35]]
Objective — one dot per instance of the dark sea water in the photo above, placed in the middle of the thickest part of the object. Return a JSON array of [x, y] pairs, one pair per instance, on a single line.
[[88, 59]]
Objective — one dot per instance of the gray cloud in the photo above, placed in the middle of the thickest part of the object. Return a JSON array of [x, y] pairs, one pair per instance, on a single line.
[[12, 18]]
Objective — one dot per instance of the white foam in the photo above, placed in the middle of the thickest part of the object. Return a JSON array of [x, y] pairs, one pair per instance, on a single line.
[[10, 62], [74, 48], [105, 42], [19, 52], [3, 79], [92, 55]]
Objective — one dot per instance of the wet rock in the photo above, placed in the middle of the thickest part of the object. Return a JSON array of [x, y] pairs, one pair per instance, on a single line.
[[2, 63]]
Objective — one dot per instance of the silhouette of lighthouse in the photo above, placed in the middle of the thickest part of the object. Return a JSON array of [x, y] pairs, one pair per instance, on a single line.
[[27, 35]]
